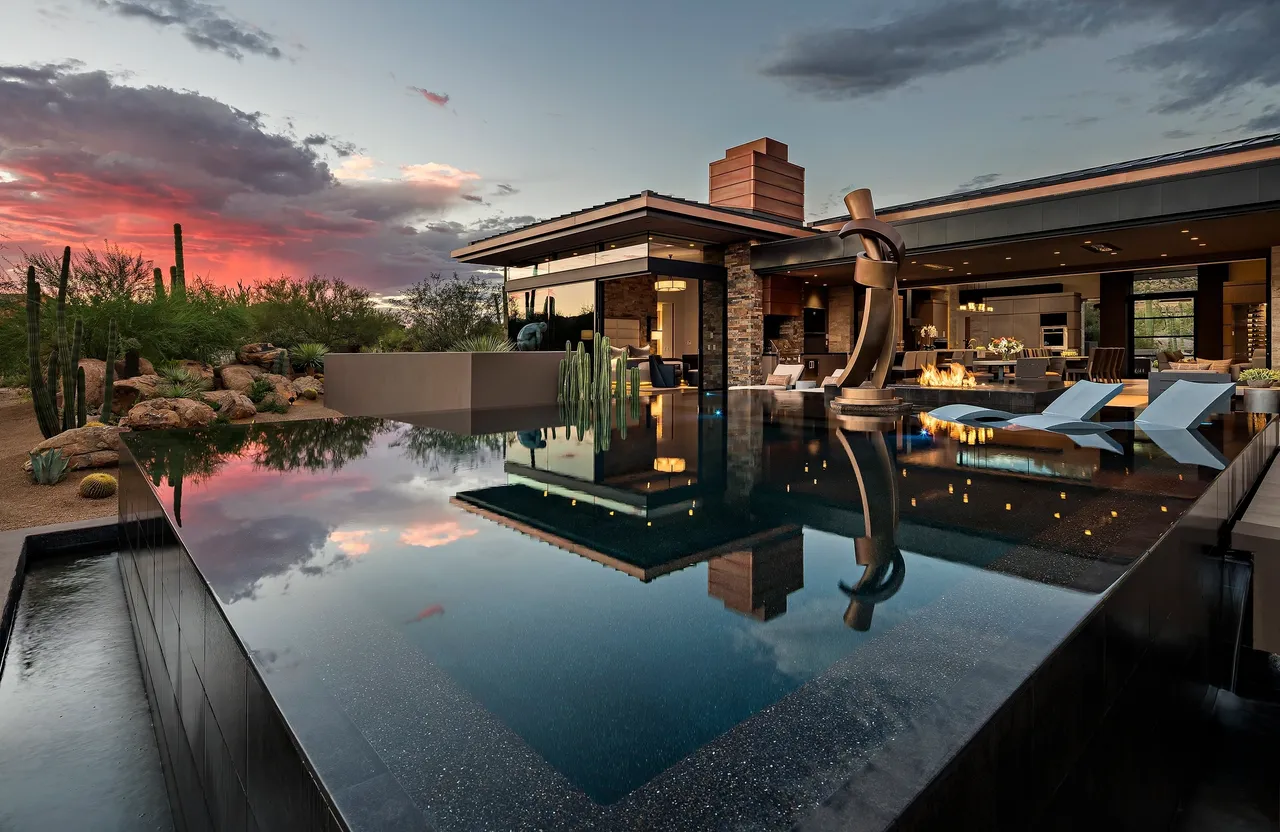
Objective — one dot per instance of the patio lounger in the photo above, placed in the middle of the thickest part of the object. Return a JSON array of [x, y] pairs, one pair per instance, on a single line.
[[1184, 405], [1070, 411], [1187, 447]]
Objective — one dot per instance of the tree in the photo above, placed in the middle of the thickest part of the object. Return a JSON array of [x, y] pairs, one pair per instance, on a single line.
[[324, 310], [109, 275], [440, 311]]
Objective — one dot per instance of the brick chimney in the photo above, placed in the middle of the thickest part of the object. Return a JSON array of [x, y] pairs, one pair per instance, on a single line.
[[757, 176]]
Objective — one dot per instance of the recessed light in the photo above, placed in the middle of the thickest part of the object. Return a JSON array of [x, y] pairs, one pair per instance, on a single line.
[[913, 262], [1062, 264], [693, 245], [965, 263], [1186, 231], [1008, 258], [968, 272], [1164, 255], [1203, 244], [1195, 238], [1086, 242], [1057, 252]]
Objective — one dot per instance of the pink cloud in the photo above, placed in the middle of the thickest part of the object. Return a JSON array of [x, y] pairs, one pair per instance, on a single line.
[[430, 535], [440, 99], [352, 543]]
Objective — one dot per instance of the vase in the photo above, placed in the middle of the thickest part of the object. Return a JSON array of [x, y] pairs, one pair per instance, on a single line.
[[1260, 382]]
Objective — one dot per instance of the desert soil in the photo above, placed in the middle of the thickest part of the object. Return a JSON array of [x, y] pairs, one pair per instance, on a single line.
[[23, 503]]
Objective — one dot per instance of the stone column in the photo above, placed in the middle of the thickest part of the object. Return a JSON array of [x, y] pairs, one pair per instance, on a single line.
[[791, 337], [955, 319], [1274, 299], [746, 315], [840, 333]]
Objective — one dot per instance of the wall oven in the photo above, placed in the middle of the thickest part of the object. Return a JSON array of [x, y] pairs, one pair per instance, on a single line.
[[1054, 337]]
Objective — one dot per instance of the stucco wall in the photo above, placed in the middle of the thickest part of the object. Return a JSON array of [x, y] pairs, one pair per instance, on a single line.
[[398, 383]]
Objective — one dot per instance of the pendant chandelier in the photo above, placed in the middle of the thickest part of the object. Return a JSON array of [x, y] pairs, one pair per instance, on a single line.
[[669, 285]]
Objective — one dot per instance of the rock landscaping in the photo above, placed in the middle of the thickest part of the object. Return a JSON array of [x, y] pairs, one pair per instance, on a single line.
[[154, 414]]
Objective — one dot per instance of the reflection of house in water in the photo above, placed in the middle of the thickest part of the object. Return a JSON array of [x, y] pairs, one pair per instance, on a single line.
[[757, 581], [650, 505]]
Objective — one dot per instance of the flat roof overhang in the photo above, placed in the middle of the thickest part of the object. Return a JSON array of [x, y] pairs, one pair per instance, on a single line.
[[1235, 214], [645, 213], [622, 268]]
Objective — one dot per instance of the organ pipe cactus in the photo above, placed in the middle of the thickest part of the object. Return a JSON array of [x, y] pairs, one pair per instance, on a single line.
[[82, 406], [159, 278], [64, 361]]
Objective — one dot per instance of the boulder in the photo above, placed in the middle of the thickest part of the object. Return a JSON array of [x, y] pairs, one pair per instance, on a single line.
[[308, 387], [232, 404], [95, 380], [128, 392], [282, 388], [145, 368], [88, 447], [198, 368], [238, 377], [169, 413], [261, 355]]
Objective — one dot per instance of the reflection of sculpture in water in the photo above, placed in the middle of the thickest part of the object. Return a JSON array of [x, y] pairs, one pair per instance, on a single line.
[[876, 550], [533, 440], [529, 338], [876, 268]]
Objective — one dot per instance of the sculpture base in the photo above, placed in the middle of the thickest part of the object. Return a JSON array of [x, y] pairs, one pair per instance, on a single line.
[[868, 401]]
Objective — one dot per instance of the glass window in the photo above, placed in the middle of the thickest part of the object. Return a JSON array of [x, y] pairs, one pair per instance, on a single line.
[[566, 312], [1164, 324], [675, 248], [1169, 280]]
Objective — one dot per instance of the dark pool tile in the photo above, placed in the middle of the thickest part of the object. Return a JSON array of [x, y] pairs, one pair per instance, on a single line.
[[188, 764], [170, 639], [225, 794], [282, 794], [1127, 611], [1068, 696], [191, 611], [192, 700], [379, 804], [224, 680]]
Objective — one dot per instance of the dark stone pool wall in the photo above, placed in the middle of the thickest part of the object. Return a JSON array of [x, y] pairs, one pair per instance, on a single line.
[[230, 762], [1107, 731]]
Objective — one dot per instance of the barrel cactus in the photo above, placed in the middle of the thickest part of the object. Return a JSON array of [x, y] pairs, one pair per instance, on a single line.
[[97, 486], [48, 467]]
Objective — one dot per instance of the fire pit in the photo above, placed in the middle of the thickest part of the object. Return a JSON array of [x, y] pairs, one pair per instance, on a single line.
[[954, 375]]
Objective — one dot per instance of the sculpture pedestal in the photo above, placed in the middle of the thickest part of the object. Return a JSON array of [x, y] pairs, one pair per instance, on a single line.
[[868, 401]]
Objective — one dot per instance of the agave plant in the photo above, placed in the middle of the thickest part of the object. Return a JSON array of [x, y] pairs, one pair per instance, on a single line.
[[181, 383], [309, 357], [48, 467], [483, 343]]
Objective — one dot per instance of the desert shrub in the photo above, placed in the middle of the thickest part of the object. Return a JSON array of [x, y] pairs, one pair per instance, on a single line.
[[488, 342], [289, 311], [439, 312], [259, 390]]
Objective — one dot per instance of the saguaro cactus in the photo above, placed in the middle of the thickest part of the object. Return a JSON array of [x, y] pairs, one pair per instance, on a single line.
[[178, 274], [46, 416], [159, 278], [108, 388]]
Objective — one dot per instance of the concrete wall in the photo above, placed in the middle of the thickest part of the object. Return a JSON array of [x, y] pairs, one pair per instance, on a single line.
[[398, 383]]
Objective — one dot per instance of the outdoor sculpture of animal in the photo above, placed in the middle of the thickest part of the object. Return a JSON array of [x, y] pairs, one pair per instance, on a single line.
[[530, 336]]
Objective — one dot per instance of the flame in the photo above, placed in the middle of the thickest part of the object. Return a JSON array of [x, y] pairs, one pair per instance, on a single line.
[[963, 434], [954, 376]]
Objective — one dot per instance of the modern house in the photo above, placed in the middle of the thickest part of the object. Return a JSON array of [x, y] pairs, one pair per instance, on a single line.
[[1172, 252]]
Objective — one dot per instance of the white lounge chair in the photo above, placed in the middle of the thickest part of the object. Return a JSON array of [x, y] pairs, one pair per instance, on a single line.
[[1069, 412], [1185, 404], [1187, 447]]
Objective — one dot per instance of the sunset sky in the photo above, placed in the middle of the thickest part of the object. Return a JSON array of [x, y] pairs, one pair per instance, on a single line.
[[367, 140]]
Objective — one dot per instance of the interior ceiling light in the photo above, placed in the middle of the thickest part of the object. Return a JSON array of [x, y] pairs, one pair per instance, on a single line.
[[1195, 238], [669, 285], [1100, 248], [1186, 231], [1202, 244]]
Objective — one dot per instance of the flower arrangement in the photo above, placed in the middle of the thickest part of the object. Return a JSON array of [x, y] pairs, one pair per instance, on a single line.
[[928, 333], [1007, 346]]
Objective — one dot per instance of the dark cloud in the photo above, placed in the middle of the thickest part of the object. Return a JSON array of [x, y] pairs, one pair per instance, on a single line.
[[1266, 122], [503, 189], [86, 158], [203, 24], [1203, 51], [1083, 121], [339, 147], [980, 181], [440, 99], [474, 198], [1177, 134]]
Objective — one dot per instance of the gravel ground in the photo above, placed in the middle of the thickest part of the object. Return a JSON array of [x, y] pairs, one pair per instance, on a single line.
[[23, 503]]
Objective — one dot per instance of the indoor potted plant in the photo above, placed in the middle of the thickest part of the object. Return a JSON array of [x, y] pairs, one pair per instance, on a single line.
[[1258, 377], [1006, 346], [928, 333]]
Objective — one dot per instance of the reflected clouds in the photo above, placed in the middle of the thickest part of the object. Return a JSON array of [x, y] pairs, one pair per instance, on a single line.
[[431, 535]]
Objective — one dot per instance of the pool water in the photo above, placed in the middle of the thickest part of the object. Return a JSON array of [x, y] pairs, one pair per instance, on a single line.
[[553, 623]]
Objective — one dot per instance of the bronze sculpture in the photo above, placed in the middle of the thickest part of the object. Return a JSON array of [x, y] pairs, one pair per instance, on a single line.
[[863, 380]]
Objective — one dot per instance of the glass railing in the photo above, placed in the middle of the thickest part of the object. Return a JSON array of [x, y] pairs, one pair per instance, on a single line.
[[665, 250]]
